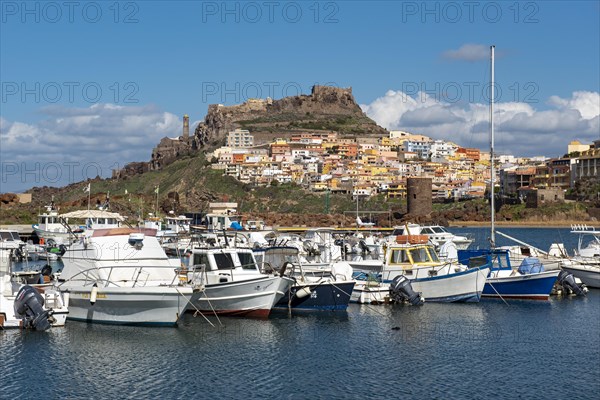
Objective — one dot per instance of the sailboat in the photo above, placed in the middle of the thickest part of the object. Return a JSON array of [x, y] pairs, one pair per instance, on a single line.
[[525, 282]]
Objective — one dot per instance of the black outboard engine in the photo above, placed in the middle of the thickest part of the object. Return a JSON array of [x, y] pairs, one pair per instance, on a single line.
[[46, 270], [363, 246], [29, 306], [62, 249], [567, 281], [401, 291]]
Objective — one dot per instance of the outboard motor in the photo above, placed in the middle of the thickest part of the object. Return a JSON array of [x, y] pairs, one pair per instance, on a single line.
[[401, 291], [567, 281], [29, 306], [363, 247], [46, 270]]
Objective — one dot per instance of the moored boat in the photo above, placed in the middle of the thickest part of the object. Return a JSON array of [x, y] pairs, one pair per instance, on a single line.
[[123, 276], [28, 303], [413, 257], [529, 281], [319, 289], [233, 284]]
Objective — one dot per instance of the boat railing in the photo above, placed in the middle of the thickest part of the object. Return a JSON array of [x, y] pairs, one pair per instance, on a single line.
[[204, 272], [138, 278], [199, 274]]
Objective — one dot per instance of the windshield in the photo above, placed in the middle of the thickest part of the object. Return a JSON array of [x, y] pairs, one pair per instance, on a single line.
[[224, 261], [438, 229], [419, 255], [201, 259], [6, 236], [247, 261], [399, 256]]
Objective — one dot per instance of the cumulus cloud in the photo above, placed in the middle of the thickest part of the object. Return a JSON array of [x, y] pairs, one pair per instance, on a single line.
[[587, 103], [104, 135], [520, 129], [468, 52]]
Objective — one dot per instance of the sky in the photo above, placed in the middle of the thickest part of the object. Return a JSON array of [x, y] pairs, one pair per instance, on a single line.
[[87, 87]]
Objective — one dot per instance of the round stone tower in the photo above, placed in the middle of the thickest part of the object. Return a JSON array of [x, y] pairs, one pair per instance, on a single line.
[[418, 193]]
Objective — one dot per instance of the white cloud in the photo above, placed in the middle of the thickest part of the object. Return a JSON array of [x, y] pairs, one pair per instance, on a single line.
[[520, 128], [587, 103], [105, 135], [468, 52]]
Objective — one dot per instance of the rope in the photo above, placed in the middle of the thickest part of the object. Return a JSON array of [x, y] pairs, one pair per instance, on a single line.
[[197, 311]]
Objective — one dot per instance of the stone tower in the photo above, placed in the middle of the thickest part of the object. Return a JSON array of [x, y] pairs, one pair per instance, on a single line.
[[418, 193], [186, 127]]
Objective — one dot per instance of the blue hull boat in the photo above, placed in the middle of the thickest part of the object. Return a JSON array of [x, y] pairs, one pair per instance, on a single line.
[[531, 283], [326, 296], [535, 286]]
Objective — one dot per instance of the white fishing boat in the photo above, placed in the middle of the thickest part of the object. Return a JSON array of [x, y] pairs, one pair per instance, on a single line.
[[413, 257], [123, 276], [585, 264], [51, 227], [587, 252], [26, 301], [233, 283], [588, 273], [438, 235], [55, 228]]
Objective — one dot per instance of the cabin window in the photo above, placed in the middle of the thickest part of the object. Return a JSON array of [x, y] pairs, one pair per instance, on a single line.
[[399, 256], [419, 255], [224, 261], [201, 259], [247, 261], [6, 236], [433, 255]]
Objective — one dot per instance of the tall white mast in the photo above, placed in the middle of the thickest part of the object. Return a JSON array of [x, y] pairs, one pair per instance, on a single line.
[[492, 178]]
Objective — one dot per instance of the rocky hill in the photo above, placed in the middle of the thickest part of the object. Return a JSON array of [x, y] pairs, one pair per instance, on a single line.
[[326, 109]]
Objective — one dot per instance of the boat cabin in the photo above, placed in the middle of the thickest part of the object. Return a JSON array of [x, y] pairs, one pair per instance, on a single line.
[[178, 223], [51, 222], [95, 219], [412, 255], [9, 239], [212, 266], [219, 222]]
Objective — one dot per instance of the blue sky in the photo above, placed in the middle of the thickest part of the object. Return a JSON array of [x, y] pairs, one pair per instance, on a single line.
[[103, 82]]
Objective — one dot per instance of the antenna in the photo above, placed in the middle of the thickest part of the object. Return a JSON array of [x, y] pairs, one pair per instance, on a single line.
[[492, 172]]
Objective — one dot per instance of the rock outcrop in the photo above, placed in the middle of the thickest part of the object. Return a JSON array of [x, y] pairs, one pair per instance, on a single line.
[[325, 109]]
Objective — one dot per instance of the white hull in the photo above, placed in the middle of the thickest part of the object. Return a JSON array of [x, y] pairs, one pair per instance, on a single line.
[[252, 297], [370, 293], [460, 286], [589, 274], [58, 237], [160, 305], [465, 286], [52, 302]]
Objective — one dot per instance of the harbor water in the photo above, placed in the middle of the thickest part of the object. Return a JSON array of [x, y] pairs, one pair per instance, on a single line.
[[526, 349]]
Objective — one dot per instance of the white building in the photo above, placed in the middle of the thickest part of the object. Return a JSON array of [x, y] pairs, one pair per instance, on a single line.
[[240, 138], [440, 149]]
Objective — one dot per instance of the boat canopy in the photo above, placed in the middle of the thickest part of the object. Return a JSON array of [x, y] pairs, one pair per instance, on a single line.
[[94, 214]]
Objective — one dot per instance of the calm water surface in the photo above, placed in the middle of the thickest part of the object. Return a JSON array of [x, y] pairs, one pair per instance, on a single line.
[[528, 349]]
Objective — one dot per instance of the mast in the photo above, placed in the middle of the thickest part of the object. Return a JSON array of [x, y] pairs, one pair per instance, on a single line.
[[492, 172]]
